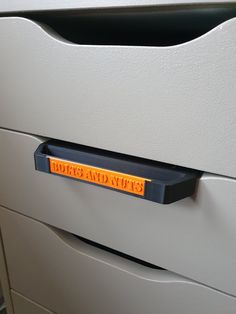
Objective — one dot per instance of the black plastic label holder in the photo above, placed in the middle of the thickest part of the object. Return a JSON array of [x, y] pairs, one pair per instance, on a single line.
[[163, 183]]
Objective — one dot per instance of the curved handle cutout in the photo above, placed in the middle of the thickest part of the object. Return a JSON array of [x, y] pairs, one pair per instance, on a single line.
[[162, 26]]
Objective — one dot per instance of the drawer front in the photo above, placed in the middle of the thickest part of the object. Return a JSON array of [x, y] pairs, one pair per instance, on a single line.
[[69, 276], [171, 104], [22, 305], [194, 237]]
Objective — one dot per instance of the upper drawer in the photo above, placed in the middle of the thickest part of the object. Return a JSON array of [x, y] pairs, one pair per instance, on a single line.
[[174, 104], [194, 237]]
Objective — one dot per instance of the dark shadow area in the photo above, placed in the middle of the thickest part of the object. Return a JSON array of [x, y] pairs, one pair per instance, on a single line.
[[154, 26], [120, 254]]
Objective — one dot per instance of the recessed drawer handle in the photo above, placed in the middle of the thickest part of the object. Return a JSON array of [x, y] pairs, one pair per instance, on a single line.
[[154, 26], [150, 180]]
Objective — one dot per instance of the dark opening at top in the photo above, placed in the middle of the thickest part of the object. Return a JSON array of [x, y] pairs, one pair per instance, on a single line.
[[156, 26]]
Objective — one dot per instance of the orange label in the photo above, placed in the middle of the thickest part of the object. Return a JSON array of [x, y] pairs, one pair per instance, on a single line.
[[112, 179]]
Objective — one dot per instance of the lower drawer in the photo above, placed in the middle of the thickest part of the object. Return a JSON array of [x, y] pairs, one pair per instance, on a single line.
[[194, 237], [68, 276], [23, 305]]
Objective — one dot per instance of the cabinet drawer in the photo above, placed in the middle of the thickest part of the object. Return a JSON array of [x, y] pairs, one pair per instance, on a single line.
[[174, 104], [194, 237], [69, 276]]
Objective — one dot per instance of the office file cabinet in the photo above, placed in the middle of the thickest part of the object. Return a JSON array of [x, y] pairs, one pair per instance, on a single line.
[[142, 94]]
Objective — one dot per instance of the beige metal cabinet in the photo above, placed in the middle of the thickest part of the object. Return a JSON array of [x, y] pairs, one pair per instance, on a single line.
[[172, 103]]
